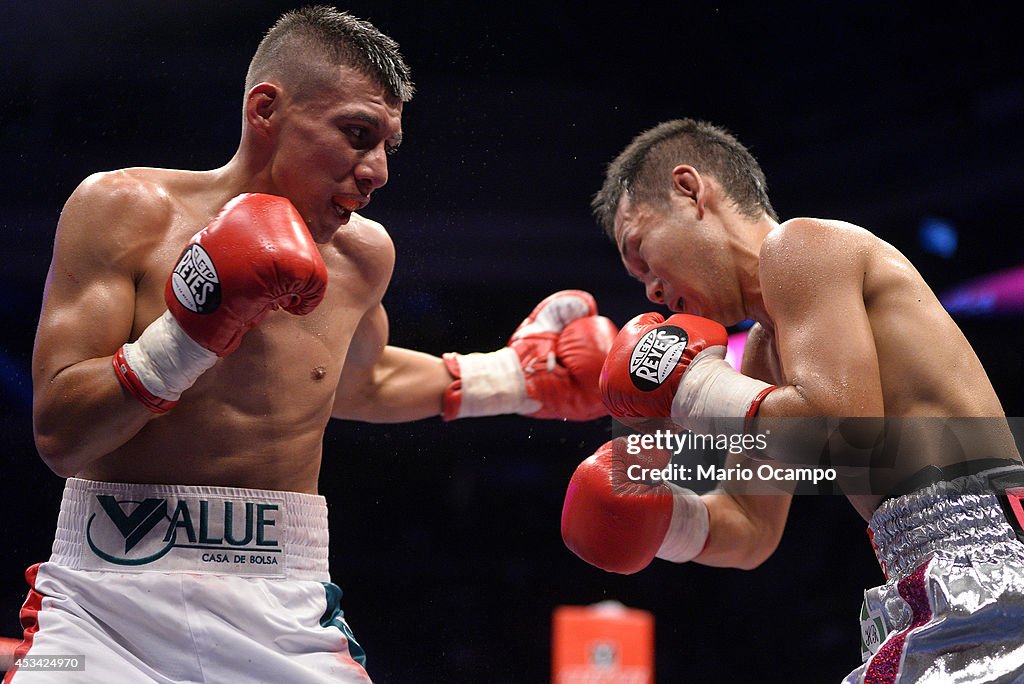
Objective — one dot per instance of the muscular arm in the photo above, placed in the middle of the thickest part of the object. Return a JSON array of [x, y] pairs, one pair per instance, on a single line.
[[823, 335], [548, 369], [385, 384], [80, 410]]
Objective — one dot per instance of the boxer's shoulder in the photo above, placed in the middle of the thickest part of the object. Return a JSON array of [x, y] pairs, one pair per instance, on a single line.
[[809, 249], [365, 232], [115, 217], [362, 244], [816, 237], [115, 205], [124, 190]]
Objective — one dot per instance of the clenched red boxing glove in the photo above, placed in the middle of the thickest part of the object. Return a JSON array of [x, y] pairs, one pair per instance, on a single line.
[[549, 369], [676, 368], [256, 255], [619, 515]]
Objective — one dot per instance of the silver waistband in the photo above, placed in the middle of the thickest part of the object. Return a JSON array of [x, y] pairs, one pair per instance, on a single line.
[[961, 517]]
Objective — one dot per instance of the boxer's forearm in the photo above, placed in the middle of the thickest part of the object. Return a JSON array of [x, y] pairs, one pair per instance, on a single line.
[[404, 385], [83, 413], [744, 530]]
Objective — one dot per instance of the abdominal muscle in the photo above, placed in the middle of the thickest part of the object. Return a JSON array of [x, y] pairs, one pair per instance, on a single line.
[[254, 420]]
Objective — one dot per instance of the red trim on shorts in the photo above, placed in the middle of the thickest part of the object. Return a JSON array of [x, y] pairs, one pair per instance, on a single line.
[[29, 619], [1015, 495]]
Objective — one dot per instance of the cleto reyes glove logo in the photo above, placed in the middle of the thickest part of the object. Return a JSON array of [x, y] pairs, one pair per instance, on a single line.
[[195, 282], [655, 356]]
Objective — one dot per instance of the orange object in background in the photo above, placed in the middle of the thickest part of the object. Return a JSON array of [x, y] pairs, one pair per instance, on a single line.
[[606, 643]]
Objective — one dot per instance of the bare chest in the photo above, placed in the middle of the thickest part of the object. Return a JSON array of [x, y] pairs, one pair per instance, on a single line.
[[301, 356]]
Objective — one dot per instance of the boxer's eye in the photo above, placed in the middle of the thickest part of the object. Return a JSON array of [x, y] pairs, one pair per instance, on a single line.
[[358, 136]]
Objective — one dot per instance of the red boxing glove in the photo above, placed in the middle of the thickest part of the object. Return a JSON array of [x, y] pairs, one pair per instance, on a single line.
[[549, 369], [256, 255], [618, 516], [677, 368]]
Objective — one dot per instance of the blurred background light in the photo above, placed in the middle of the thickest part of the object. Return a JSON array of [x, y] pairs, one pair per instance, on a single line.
[[938, 236]]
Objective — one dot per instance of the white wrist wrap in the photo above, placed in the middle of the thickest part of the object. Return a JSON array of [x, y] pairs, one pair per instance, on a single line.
[[688, 531], [493, 383], [712, 388], [166, 360]]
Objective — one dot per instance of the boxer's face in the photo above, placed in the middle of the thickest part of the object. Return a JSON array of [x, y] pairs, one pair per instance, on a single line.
[[331, 149], [678, 260]]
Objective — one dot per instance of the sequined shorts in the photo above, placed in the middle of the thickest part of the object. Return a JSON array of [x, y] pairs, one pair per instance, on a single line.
[[952, 608]]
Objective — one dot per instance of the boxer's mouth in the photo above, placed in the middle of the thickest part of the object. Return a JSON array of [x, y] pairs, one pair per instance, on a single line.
[[346, 205]]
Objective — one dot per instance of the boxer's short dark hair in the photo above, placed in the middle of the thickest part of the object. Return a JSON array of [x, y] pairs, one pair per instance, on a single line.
[[302, 41], [643, 169]]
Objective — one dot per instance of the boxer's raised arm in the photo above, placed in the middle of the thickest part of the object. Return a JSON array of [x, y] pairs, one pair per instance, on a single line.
[[255, 255]]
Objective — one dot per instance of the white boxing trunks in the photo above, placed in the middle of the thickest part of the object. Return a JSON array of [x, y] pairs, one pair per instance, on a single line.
[[173, 584], [952, 609]]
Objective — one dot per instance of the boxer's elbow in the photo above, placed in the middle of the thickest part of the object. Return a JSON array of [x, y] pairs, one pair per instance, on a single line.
[[740, 556], [744, 531], [58, 452], [63, 450], [762, 539], [757, 554], [749, 555]]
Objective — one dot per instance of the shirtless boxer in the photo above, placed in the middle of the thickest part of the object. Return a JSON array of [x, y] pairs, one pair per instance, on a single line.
[[845, 327], [183, 379]]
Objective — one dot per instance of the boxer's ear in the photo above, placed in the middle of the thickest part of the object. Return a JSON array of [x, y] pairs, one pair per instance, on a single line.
[[687, 182], [261, 103]]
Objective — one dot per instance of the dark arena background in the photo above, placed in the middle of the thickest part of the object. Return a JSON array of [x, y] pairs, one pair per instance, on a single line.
[[900, 117]]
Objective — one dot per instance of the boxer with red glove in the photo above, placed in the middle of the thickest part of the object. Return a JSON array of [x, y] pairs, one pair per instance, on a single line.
[[619, 516], [256, 255], [676, 368], [549, 369], [656, 368]]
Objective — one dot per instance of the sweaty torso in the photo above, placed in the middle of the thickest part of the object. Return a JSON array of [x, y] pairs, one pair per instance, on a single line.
[[255, 419], [936, 394]]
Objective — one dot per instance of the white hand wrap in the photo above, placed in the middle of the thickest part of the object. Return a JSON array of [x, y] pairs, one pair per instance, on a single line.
[[688, 532], [493, 383], [166, 360], [712, 388]]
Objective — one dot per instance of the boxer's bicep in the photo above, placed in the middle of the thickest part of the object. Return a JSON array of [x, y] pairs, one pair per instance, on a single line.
[[381, 383], [813, 291], [356, 387], [89, 300], [80, 410]]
